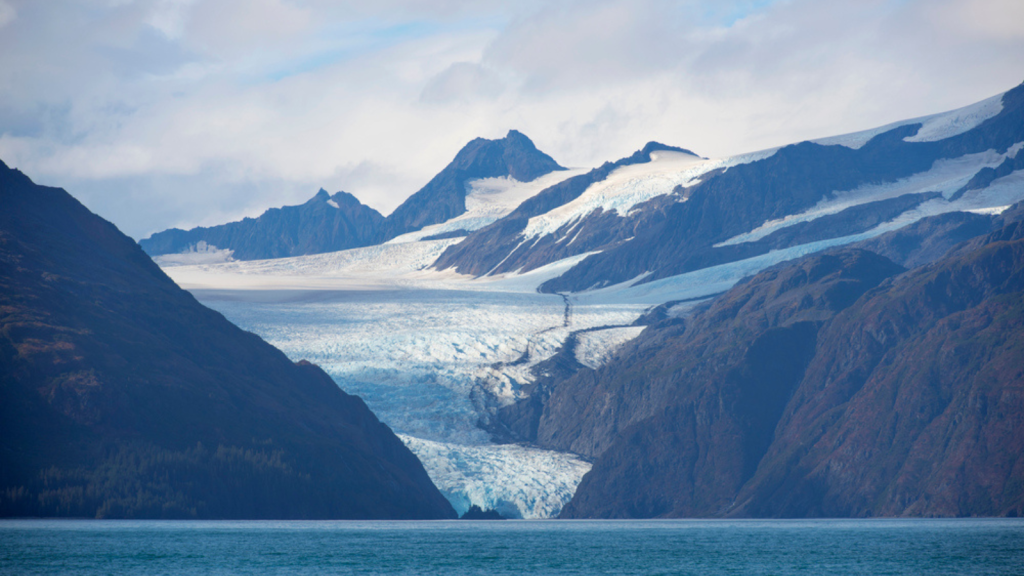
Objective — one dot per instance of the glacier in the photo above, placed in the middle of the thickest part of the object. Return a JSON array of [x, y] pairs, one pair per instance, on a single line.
[[432, 353], [435, 353]]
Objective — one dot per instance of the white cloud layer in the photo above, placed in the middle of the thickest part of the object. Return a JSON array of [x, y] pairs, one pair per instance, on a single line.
[[160, 113]]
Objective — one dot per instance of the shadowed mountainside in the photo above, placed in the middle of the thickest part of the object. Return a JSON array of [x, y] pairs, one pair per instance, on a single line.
[[124, 397]]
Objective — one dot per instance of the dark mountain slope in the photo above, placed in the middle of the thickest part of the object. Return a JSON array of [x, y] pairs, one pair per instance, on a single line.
[[323, 224], [499, 247], [689, 404], [444, 197], [812, 395], [914, 404], [121, 396]]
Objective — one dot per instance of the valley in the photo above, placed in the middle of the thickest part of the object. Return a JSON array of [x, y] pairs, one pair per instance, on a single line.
[[448, 331]]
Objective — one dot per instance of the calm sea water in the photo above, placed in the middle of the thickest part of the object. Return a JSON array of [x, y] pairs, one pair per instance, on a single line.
[[875, 547]]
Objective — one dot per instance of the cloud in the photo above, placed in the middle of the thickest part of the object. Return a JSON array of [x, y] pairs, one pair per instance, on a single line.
[[462, 81], [160, 113], [7, 13]]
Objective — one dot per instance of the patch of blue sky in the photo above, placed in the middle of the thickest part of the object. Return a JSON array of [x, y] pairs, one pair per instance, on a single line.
[[728, 13], [355, 39]]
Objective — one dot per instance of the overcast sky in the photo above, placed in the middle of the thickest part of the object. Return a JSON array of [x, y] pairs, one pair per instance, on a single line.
[[160, 113]]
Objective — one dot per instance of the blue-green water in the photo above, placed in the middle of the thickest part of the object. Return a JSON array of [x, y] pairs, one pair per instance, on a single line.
[[875, 547]]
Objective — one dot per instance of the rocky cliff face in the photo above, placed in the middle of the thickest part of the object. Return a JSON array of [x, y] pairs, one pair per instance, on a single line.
[[323, 224], [836, 385], [121, 396]]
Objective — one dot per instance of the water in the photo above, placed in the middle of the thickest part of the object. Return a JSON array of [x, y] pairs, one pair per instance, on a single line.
[[875, 547]]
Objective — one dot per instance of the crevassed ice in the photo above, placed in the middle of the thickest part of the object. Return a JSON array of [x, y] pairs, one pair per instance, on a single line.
[[517, 481], [595, 348]]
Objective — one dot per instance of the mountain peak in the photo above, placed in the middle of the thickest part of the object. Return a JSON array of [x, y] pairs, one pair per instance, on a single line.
[[514, 134], [444, 197], [653, 146], [514, 155]]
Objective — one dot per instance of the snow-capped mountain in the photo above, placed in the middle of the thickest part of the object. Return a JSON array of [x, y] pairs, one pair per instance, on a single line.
[[507, 166], [444, 197], [449, 332], [670, 216]]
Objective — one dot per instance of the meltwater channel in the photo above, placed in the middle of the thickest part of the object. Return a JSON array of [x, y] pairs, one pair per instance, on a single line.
[[818, 547]]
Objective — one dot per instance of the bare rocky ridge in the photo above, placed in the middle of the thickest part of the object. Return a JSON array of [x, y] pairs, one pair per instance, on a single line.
[[323, 224]]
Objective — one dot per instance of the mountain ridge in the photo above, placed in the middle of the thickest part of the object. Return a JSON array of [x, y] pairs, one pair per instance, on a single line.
[[123, 397], [313, 227]]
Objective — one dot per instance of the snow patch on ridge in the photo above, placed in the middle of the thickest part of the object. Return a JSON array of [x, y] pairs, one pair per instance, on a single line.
[[949, 124], [624, 188], [934, 127], [488, 200]]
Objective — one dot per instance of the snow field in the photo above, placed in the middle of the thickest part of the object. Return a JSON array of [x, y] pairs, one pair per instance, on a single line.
[[624, 188], [935, 127], [488, 200]]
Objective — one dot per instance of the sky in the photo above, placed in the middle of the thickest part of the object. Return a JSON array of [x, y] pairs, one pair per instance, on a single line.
[[163, 113]]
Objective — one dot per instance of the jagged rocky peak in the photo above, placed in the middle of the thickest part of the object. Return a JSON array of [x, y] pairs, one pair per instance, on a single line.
[[339, 199], [324, 223], [515, 155]]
